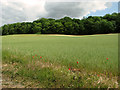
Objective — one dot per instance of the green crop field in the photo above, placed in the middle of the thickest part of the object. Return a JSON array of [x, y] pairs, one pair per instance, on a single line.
[[50, 60]]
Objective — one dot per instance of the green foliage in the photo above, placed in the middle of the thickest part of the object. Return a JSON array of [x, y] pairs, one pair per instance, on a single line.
[[37, 27], [91, 25]]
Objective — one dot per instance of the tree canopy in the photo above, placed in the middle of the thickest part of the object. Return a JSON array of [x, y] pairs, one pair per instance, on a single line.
[[110, 23]]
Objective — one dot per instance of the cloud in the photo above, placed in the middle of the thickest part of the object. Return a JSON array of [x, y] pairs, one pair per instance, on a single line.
[[18, 11], [29, 10], [12, 12], [73, 9]]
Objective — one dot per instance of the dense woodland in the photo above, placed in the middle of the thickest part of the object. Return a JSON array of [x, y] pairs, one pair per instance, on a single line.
[[110, 23]]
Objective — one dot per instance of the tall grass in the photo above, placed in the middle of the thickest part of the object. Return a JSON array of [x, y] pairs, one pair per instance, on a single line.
[[47, 59], [90, 51]]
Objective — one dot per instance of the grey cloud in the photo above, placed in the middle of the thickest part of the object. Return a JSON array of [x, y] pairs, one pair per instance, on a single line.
[[20, 11], [60, 9], [12, 13], [73, 9]]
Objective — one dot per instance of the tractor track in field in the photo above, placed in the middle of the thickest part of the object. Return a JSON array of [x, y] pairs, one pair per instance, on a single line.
[[59, 35]]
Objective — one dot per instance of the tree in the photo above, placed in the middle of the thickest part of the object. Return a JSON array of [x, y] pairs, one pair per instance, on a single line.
[[110, 23], [112, 17], [45, 27], [89, 26], [81, 28], [118, 24], [105, 26], [5, 30], [37, 27], [69, 29], [59, 28]]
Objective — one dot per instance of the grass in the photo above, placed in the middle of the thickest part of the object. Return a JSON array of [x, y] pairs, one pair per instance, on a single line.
[[57, 54]]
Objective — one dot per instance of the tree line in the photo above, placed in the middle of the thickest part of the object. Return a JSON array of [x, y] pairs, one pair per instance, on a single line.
[[110, 23]]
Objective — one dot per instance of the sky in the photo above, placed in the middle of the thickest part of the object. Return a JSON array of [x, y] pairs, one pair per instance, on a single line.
[[12, 11], [110, 10]]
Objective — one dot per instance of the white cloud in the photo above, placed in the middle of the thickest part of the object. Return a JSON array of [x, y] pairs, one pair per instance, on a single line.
[[29, 10]]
